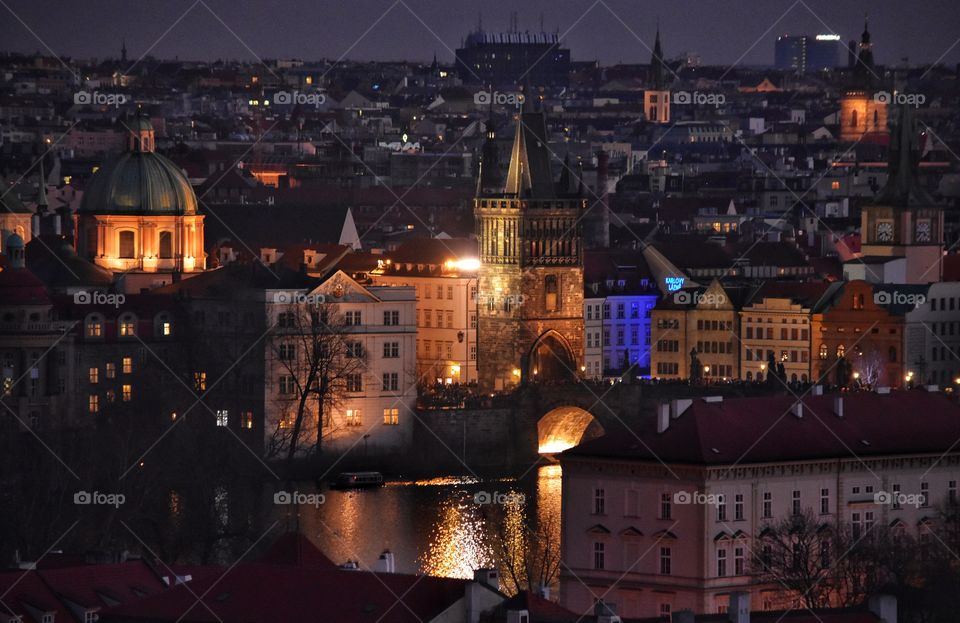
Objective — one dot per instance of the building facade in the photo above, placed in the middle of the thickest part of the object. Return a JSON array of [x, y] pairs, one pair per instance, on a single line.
[[671, 523]]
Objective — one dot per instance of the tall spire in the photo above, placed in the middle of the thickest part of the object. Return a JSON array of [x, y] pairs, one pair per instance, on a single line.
[[656, 63], [864, 67], [123, 50], [42, 203], [903, 189]]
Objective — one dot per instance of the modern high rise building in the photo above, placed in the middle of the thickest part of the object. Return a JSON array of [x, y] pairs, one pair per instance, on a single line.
[[513, 57], [804, 53]]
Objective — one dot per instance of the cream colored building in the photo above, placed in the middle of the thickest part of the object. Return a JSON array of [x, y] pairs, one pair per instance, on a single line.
[[669, 522]]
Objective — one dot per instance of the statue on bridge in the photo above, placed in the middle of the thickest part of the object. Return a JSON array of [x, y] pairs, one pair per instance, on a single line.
[[696, 368]]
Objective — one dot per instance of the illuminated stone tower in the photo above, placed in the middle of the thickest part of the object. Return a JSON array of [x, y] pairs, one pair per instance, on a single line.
[[656, 99], [530, 303], [904, 221], [863, 113]]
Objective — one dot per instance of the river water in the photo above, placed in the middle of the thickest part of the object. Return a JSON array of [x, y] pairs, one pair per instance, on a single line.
[[442, 526]]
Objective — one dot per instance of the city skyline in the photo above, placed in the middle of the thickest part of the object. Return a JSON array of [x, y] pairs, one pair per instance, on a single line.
[[923, 32]]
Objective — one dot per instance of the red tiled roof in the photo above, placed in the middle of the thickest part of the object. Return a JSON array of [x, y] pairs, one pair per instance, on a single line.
[[293, 548], [274, 592], [760, 430], [88, 585]]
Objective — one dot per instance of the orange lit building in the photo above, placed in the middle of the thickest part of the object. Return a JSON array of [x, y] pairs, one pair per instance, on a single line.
[[868, 337], [863, 108]]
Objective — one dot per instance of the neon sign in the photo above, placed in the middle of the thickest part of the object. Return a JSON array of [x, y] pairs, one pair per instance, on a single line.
[[673, 283]]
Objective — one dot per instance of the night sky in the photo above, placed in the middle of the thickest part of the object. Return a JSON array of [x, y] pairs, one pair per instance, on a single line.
[[720, 31]]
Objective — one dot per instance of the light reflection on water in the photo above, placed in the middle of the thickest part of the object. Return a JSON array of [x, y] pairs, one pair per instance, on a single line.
[[435, 526]]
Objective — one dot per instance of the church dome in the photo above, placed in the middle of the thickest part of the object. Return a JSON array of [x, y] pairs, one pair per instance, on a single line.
[[139, 181]]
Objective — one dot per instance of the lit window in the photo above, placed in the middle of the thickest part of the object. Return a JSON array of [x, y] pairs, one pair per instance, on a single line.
[[94, 375], [248, 420], [223, 417], [93, 406], [128, 365], [391, 416], [94, 328], [200, 381], [354, 417], [127, 327], [127, 391], [166, 329], [111, 370], [835, 185]]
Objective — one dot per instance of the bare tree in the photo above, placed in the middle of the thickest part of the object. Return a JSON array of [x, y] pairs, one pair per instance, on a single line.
[[528, 552], [871, 366], [800, 554], [312, 348]]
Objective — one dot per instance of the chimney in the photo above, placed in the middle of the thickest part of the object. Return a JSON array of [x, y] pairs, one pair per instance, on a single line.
[[487, 577], [663, 418], [606, 612], [885, 607], [678, 406], [797, 410], [738, 611], [838, 406], [386, 563]]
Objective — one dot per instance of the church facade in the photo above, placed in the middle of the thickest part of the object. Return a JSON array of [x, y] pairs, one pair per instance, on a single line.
[[530, 302]]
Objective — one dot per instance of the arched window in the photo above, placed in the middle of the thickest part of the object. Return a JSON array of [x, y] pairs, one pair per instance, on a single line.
[[127, 240], [823, 351], [166, 245], [841, 351], [749, 375], [94, 325], [551, 293], [854, 121], [127, 325]]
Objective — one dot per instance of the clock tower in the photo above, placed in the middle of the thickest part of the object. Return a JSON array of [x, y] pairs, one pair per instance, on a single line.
[[904, 220]]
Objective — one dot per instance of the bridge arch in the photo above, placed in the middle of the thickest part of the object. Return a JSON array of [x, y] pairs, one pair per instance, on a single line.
[[564, 427], [551, 359]]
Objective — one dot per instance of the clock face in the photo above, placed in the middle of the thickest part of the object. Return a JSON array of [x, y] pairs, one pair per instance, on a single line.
[[885, 231], [923, 231]]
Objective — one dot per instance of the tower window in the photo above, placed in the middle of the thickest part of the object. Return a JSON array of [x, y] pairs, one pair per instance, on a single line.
[[166, 245], [127, 240], [551, 292]]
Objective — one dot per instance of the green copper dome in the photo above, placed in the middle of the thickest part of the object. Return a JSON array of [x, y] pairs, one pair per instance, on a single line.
[[139, 181]]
